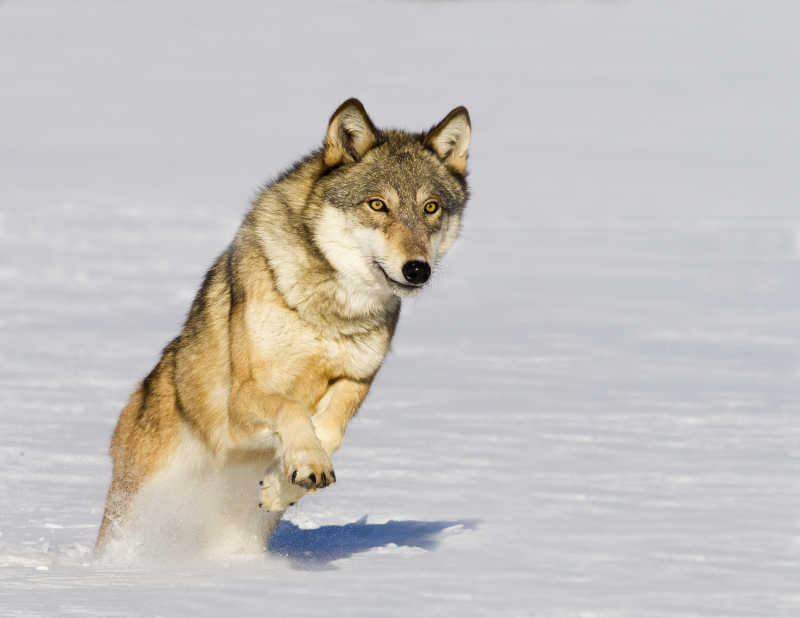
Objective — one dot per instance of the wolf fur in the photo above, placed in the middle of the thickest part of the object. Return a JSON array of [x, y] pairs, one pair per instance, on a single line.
[[286, 334]]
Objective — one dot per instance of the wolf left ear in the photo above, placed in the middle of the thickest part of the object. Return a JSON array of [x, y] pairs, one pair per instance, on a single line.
[[450, 139], [350, 134]]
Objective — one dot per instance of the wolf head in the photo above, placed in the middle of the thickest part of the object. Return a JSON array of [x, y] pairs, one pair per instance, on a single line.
[[389, 204]]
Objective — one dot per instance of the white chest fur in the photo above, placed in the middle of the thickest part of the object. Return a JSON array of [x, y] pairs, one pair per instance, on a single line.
[[357, 356], [282, 338]]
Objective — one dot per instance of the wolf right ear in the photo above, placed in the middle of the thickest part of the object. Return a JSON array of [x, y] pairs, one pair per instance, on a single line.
[[450, 139], [350, 134]]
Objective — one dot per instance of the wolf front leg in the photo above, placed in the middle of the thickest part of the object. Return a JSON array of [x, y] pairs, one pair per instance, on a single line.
[[303, 460], [334, 411]]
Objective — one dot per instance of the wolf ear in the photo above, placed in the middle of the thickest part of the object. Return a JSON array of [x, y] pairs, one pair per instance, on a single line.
[[350, 134], [450, 139]]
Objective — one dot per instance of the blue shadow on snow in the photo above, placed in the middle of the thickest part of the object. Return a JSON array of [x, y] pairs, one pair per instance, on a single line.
[[315, 548]]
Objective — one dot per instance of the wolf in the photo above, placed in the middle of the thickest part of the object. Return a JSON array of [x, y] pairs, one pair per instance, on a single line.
[[242, 413]]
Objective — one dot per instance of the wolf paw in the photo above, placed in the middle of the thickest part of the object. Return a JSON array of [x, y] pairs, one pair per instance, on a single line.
[[277, 495], [310, 469]]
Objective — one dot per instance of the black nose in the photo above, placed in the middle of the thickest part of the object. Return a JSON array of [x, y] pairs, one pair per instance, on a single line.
[[416, 272]]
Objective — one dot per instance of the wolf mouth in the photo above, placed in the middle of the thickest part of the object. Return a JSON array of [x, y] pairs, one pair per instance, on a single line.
[[404, 286]]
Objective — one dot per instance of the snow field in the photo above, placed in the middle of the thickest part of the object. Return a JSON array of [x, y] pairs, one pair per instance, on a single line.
[[592, 412]]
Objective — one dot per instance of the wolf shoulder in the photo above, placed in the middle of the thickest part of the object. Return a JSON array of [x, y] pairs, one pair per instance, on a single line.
[[239, 309]]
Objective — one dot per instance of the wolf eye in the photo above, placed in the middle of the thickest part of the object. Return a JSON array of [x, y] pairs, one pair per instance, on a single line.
[[431, 207], [378, 205]]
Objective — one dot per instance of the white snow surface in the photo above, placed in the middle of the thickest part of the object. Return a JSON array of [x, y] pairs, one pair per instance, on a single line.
[[592, 412]]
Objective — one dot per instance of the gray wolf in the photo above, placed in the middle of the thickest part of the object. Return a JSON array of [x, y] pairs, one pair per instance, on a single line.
[[240, 416]]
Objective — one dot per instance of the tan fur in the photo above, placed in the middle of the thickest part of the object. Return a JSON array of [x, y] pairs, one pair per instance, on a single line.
[[350, 134], [290, 326], [450, 139]]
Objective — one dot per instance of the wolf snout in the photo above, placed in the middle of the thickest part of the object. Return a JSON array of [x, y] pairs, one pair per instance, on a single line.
[[416, 272]]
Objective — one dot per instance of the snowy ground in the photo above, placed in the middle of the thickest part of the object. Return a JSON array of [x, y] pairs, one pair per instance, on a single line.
[[593, 412]]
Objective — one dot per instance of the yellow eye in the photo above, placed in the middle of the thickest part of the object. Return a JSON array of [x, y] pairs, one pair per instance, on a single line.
[[378, 205], [431, 207]]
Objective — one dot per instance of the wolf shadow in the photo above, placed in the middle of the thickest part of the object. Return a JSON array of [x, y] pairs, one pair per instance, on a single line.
[[316, 548]]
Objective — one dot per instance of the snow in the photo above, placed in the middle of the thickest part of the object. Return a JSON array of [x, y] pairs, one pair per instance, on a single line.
[[592, 412]]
